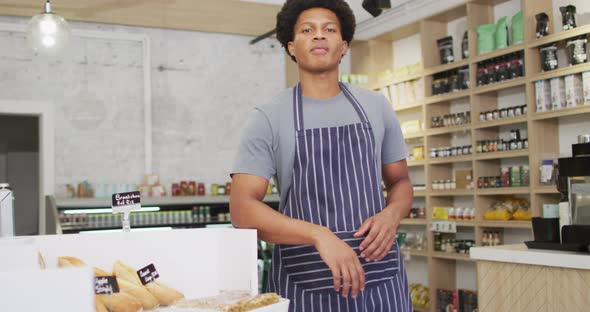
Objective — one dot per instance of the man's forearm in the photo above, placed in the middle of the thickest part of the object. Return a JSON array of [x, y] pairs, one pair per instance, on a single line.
[[400, 196], [271, 225]]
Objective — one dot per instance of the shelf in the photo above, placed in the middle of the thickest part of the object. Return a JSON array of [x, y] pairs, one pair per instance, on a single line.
[[143, 226], [447, 97], [562, 113], [408, 221], [506, 224], [506, 84], [416, 104], [445, 67], [445, 130], [545, 190], [416, 163], [446, 193], [502, 155], [152, 201], [419, 193], [500, 52], [414, 135], [451, 256], [501, 122], [418, 309], [414, 252], [561, 72], [563, 35], [464, 223], [450, 160], [503, 191]]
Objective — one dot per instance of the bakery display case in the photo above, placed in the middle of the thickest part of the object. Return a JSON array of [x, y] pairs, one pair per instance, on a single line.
[[180, 270]]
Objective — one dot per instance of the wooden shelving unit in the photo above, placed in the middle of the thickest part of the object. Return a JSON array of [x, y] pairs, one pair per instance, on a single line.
[[376, 55]]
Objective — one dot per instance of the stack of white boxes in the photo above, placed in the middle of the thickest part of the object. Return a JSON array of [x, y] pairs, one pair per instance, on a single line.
[[562, 92], [542, 96], [586, 87], [558, 93]]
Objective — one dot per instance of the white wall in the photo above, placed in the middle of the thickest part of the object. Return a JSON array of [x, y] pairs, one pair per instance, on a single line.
[[582, 12], [203, 87], [405, 51]]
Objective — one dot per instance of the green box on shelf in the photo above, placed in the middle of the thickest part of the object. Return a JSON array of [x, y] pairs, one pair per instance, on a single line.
[[486, 38]]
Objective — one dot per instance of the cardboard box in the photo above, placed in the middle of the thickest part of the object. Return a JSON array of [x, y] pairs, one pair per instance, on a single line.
[[464, 179], [573, 90], [586, 87], [558, 93], [196, 262], [542, 96]]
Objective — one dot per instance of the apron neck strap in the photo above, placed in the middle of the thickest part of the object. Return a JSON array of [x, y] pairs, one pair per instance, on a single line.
[[298, 105]]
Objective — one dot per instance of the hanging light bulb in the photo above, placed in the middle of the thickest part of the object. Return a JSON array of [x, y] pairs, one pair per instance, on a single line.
[[47, 32]]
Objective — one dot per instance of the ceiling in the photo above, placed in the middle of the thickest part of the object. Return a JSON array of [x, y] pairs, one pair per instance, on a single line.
[[245, 17]]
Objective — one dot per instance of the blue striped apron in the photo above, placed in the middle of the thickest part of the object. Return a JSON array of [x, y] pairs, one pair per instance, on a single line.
[[335, 184]]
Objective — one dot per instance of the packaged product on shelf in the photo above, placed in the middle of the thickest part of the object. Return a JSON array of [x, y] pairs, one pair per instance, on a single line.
[[445, 300], [465, 46], [558, 100], [548, 175], [517, 28], [543, 95], [420, 295], [568, 17], [418, 89], [586, 87], [409, 91], [445, 50], [573, 90], [542, 24], [393, 98], [549, 57], [576, 50], [485, 38], [502, 33], [411, 126]]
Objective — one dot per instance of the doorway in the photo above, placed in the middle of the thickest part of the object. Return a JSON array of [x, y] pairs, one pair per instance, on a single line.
[[19, 166]]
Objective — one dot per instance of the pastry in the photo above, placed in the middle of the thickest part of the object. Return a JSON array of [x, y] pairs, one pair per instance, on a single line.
[[99, 306], [120, 302], [253, 303], [68, 262], [166, 295], [126, 272], [148, 301]]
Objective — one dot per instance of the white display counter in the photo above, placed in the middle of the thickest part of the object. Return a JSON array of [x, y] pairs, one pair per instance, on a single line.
[[515, 278]]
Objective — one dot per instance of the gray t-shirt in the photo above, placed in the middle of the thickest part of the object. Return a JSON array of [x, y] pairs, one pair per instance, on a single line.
[[267, 147]]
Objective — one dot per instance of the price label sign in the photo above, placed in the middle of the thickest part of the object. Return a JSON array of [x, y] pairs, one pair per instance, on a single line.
[[105, 285], [125, 202], [148, 274], [444, 226]]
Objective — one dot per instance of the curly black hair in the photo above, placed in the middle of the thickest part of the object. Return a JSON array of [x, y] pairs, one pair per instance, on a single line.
[[291, 10]]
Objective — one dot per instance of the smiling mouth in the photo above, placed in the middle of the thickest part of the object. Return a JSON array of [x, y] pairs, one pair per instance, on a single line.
[[319, 50]]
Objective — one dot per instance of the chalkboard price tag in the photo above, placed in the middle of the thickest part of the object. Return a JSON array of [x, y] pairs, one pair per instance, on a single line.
[[105, 285], [148, 274], [125, 202]]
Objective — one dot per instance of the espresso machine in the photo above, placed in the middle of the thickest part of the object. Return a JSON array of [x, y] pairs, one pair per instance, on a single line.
[[574, 187]]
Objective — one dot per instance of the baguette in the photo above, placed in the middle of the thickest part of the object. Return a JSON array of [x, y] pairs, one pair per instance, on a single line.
[[98, 305], [69, 262], [147, 300], [120, 302], [166, 295], [126, 272]]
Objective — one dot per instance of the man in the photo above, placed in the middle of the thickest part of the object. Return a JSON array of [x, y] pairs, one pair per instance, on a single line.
[[329, 146]]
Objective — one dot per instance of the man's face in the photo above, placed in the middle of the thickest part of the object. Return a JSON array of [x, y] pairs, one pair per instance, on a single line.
[[318, 44]]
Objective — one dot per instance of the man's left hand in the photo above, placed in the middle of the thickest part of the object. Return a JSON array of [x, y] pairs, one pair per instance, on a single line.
[[381, 229]]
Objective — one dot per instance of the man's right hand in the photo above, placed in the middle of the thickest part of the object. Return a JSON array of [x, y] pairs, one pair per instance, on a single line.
[[342, 261]]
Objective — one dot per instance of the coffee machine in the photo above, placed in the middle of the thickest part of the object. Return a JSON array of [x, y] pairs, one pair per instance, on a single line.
[[574, 187]]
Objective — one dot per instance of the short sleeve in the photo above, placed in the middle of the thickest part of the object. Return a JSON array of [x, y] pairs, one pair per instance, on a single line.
[[394, 146], [255, 152]]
